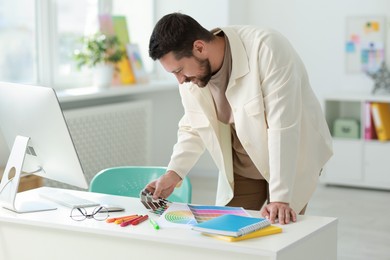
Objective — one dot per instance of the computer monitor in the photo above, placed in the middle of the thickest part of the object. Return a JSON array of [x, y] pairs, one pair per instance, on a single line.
[[34, 128]]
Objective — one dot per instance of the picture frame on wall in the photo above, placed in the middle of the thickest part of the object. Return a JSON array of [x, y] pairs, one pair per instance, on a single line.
[[365, 43]]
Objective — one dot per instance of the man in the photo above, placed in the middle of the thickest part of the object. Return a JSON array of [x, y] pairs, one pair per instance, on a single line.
[[248, 101]]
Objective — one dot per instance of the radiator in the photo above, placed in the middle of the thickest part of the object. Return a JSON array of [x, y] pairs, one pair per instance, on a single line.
[[109, 135]]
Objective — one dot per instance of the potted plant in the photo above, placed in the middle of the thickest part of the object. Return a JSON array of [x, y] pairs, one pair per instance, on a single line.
[[99, 52]]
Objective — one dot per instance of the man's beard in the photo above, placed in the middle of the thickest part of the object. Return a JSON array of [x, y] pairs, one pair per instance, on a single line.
[[205, 66]]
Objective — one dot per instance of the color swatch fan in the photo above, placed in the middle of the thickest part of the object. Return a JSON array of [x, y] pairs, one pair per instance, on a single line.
[[156, 206]]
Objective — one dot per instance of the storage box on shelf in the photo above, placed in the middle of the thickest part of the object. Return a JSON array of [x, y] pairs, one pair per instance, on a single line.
[[358, 160]]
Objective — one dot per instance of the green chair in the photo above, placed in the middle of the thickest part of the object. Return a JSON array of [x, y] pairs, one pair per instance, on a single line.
[[130, 180]]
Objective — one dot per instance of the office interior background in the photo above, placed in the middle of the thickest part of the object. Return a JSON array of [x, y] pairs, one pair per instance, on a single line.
[[35, 43]]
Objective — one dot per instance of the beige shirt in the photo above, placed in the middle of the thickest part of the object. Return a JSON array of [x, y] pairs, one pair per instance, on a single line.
[[242, 163]]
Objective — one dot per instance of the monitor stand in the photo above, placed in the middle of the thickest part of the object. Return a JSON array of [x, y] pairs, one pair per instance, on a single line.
[[10, 182]]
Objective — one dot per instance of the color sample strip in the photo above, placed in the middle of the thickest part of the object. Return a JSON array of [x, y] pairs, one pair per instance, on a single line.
[[180, 217], [204, 213]]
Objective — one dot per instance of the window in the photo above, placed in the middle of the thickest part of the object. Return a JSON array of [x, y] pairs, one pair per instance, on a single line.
[[38, 40], [18, 57], [73, 18], [140, 27]]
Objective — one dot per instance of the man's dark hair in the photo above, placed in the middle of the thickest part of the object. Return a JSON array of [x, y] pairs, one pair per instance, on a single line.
[[176, 32]]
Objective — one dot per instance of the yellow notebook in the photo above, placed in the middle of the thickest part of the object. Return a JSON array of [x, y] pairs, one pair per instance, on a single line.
[[126, 74], [259, 233], [381, 118]]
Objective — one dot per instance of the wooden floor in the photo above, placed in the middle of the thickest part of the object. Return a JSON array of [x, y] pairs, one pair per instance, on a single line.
[[363, 215]]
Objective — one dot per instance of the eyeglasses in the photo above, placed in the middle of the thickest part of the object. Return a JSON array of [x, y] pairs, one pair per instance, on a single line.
[[100, 213]]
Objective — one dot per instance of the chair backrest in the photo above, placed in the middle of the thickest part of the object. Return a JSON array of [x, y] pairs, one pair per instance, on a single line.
[[130, 180]]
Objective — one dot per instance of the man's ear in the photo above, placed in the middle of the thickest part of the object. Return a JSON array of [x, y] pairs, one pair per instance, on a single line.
[[198, 47]]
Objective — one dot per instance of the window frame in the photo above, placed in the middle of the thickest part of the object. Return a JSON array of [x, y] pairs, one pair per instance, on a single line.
[[47, 43], [45, 24]]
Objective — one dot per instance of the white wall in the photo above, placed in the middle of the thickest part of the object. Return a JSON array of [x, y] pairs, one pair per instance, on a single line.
[[317, 30], [209, 13]]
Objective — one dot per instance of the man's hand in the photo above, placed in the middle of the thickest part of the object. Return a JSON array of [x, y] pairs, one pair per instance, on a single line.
[[164, 186], [280, 211]]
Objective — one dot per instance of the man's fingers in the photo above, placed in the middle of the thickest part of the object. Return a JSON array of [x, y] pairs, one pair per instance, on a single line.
[[273, 214], [281, 215], [264, 212], [157, 192], [278, 211], [288, 216], [294, 216], [164, 185], [150, 187]]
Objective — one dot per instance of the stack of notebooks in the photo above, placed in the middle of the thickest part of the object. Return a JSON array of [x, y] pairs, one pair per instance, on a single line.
[[235, 228]]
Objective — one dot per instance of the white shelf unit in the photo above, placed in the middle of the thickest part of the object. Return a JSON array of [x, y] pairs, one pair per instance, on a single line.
[[356, 162]]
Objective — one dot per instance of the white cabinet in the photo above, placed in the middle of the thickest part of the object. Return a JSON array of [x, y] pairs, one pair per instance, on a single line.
[[356, 161], [345, 165], [377, 164]]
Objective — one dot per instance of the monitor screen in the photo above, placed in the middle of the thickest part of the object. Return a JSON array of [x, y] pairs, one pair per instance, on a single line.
[[34, 112]]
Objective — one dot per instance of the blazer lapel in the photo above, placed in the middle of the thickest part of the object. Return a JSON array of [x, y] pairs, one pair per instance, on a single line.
[[240, 66]]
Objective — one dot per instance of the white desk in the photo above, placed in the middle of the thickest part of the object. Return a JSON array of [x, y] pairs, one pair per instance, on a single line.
[[54, 235]]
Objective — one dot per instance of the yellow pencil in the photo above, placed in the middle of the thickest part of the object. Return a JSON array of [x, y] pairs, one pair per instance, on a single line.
[[121, 220]]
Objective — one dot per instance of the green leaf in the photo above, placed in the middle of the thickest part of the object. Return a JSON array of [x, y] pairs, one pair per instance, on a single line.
[[98, 48]]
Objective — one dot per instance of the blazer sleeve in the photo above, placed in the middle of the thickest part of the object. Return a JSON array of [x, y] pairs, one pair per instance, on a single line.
[[281, 75], [189, 146]]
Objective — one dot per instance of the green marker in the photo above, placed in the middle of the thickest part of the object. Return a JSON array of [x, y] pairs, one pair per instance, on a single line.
[[154, 224]]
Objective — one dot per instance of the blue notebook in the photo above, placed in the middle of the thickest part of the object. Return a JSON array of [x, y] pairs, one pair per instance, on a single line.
[[231, 225]]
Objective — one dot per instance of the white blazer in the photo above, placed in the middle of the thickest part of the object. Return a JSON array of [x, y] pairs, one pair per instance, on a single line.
[[278, 120]]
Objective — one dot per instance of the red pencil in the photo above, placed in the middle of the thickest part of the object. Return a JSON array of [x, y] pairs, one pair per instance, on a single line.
[[126, 223], [139, 220]]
